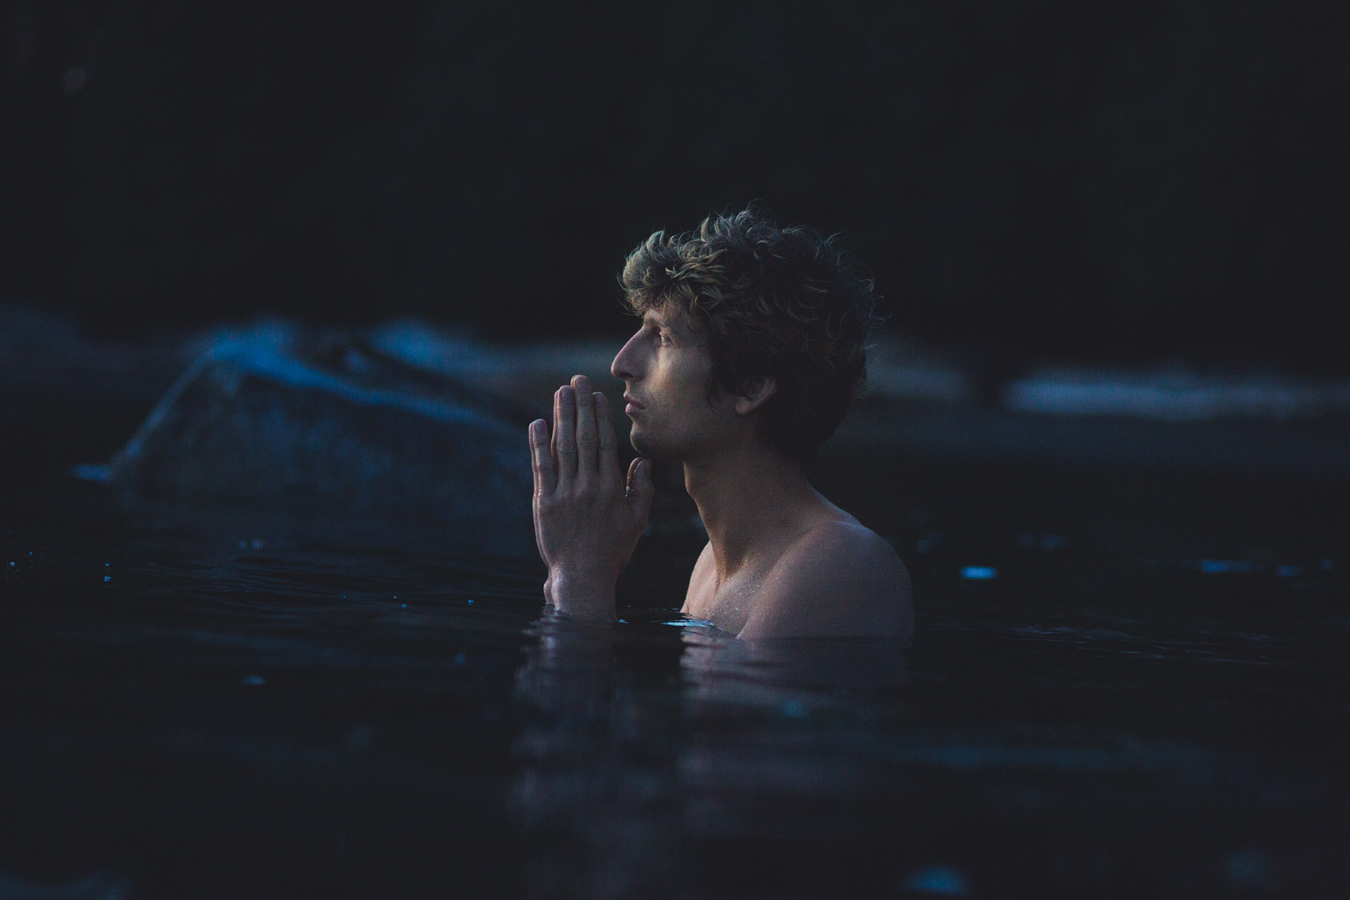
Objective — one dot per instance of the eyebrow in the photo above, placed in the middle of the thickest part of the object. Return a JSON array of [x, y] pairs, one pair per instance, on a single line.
[[678, 324]]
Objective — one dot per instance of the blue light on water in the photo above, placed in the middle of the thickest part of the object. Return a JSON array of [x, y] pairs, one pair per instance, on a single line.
[[941, 880], [1288, 571], [1043, 541], [1222, 566], [979, 573], [1252, 870]]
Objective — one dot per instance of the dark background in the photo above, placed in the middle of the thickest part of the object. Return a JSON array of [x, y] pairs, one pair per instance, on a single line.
[[1123, 180]]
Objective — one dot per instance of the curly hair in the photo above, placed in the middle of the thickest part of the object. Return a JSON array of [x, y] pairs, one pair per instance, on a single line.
[[785, 303]]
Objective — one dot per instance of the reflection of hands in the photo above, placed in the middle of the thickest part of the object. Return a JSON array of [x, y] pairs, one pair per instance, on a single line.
[[586, 520]]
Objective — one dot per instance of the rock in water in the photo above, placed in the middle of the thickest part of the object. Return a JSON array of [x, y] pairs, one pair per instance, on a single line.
[[342, 431]]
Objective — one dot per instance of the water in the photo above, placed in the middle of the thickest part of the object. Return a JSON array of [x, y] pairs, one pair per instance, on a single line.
[[1130, 675], [1143, 692]]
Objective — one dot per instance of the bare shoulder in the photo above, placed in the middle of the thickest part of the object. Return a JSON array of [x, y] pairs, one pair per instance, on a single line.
[[838, 580]]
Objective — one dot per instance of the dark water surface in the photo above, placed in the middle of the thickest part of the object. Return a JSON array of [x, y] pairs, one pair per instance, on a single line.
[[1149, 697]]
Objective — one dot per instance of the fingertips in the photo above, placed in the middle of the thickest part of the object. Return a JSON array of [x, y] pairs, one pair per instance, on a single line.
[[565, 416], [639, 475], [564, 435], [641, 489], [540, 458]]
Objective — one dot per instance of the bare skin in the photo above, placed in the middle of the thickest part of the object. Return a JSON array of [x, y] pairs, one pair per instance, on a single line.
[[781, 560]]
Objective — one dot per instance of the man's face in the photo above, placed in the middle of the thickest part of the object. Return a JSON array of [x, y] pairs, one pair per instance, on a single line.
[[667, 373]]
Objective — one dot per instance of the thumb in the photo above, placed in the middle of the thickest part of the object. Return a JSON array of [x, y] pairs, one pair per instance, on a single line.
[[640, 488]]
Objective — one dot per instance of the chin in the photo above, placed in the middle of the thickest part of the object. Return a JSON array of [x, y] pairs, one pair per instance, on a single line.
[[643, 445]]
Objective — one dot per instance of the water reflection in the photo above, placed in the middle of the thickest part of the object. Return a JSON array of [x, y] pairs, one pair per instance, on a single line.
[[665, 758], [623, 783], [596, 787], [719, 666]]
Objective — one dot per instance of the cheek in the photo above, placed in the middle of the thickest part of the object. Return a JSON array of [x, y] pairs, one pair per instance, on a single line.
[[691, 379]]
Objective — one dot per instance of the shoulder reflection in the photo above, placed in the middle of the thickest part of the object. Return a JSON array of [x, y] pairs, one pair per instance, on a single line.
[[643, 741], [573, 663], [717, 664]]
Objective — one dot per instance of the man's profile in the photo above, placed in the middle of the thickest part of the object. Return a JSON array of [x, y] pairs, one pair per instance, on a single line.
[[752, 344]]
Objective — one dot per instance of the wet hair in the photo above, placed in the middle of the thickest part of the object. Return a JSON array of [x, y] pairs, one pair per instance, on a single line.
[[785, 303]]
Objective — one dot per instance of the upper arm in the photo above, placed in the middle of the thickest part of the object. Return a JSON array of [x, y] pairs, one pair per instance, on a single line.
[[840, 581]]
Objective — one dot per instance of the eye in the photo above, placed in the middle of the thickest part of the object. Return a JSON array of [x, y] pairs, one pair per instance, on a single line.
[[658, 334]]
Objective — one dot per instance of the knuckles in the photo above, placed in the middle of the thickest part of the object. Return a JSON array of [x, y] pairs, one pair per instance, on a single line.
[[575, 496]]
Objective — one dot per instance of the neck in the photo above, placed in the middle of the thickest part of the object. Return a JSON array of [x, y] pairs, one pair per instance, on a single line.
[[747, 497]]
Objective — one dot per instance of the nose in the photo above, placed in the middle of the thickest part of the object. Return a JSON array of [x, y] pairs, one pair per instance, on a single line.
[[626, 364]]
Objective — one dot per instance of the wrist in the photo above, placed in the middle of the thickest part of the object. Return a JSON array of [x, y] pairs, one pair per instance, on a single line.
[[581, 593]]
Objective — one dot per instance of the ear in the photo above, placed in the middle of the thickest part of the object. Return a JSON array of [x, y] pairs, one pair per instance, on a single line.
[[756, 393]]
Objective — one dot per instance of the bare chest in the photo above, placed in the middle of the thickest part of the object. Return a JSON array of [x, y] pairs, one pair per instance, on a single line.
[[728, 605]]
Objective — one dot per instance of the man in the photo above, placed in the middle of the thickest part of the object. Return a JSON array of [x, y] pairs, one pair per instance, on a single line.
[[752, 344]]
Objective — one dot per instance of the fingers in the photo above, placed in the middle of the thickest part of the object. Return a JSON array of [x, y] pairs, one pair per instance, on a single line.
[[640, 489], [584, 445], [608, 455], [545, 478], [545, 475], [587, 439], [564, 434]]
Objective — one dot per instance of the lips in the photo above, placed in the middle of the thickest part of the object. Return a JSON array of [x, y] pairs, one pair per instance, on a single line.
[[631, 402]]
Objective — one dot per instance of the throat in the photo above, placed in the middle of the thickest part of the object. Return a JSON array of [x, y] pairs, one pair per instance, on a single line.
[[750, 516]]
